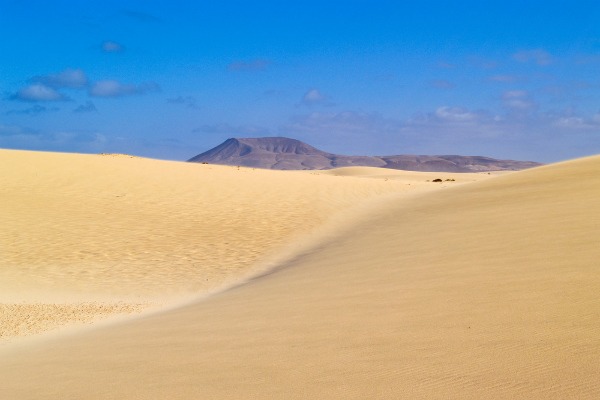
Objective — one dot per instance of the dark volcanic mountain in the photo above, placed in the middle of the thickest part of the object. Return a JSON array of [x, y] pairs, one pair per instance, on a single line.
[[290, 154]]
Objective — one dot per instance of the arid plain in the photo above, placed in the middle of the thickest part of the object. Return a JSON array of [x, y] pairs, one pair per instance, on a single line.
[[125, 278]]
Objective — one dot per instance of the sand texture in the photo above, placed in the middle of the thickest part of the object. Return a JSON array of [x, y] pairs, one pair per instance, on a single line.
[[113, 229], [482, 290]]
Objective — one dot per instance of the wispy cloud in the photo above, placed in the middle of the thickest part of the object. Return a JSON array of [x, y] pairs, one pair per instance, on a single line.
[[335, 123], [187, 101], [46, 87], [454, 114], [504, 78], [574, 122], [69, 78], [587, 59], [274, 92], [110, 46], [518, 101], [14, 130], [344, 130], [114, 88], [482, 62], [569, 120], [36, 109], [538, 56], [38, 92], [251, 65], [86, 108], [314, 97], [451, 129], [442, 84], [234, 130], [24, 138], [445, 65]]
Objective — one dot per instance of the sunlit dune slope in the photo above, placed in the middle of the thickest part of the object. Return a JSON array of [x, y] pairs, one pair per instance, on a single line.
[[125, 225], [489, 290], [113, 228]]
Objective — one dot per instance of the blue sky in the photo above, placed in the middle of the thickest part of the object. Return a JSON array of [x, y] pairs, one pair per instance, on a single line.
[[173, 79]]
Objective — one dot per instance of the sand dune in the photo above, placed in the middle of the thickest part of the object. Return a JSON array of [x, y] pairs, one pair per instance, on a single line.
[[484, 290], [114, 228]]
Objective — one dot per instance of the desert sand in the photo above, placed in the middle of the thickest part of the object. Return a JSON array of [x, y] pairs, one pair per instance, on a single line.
[[353, 283], [88, 236]]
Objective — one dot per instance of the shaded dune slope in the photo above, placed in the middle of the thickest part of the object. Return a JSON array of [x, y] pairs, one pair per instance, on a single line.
[[487, 290]]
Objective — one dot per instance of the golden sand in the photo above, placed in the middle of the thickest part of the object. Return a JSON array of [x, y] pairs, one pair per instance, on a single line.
[[115, 228], [483, 290]]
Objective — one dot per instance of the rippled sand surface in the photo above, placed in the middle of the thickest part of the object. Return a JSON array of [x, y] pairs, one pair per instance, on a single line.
[[399, 289]]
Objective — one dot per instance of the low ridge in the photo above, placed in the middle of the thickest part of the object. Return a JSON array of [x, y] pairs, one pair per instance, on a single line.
[[290, 154]]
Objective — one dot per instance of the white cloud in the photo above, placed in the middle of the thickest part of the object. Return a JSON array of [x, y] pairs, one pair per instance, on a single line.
[[45, 87], [446, 127], [447, 130], [538, 56], [69, 78], [38, 92], [449, 117], [113, 88], [315, 97], [454, 114], [571, 122]]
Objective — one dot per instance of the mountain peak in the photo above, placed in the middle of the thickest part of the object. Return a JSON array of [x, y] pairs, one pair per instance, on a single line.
[[266, 152], [277, 144]]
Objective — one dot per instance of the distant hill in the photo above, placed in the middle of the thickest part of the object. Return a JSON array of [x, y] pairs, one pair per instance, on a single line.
[[291, 154]]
